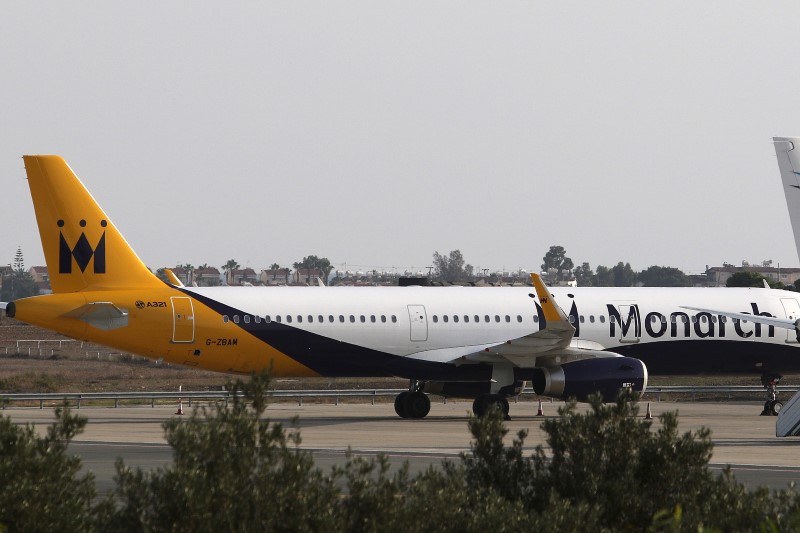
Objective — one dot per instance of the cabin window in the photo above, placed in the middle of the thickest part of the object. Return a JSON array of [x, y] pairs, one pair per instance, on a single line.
[[486, 318], [257, 319], [288, 319], [466, 318], [330, 318], [591, 319], [267, 319], [704, 319], [477, 318], [455, 318], [535, 318], [602, 319], [299, 318], [444, 318], [383, 318], [363, 319], [225, 319], [394, 319], [519, 318], [310, 319], [571, 319], [508, 318], [583, 319], [435, 319], [497, 318], [235, 319], [246, 319], [372, 318], [321, 318], [352, 319], [278, 318], [341, 319]]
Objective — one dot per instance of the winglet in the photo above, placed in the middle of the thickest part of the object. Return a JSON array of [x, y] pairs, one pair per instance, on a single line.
[[552, 311], [173, 279]]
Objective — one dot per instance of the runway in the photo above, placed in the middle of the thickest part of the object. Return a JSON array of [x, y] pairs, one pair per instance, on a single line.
[[742, 439]]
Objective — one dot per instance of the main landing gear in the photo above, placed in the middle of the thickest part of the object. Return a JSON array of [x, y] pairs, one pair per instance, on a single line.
[[772, 406], [412, 403], [484, 403]]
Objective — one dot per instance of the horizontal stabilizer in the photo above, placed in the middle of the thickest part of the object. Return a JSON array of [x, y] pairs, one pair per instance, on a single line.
[[101, 315]]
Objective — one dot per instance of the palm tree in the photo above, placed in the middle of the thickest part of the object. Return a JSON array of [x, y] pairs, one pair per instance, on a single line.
[[228, 268]]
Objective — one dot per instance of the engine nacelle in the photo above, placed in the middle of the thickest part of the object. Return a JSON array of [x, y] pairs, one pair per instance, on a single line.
[[580, 379]]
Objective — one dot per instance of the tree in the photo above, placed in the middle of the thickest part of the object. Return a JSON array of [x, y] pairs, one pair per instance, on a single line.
[[312, 262], [624, 276], [745, 279], [233, 470], [658, 276], [451, 268], [556, 258], [604, 277], [274, 266], [42, 488], [584, 276], [18, 283], [228, 269]]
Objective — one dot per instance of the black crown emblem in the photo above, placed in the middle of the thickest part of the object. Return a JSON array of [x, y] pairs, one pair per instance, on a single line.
[[82, 252]]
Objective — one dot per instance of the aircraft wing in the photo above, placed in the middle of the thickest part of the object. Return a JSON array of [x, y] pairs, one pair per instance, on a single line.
[[758, 319], [551, 345]]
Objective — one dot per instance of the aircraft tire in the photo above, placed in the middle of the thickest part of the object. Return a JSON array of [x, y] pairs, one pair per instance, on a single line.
[[400, 404], [775, 408], [480, 406], [484, 402], [417, 405]]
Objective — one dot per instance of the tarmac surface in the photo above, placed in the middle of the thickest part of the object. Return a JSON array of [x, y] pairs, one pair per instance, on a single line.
[[742, 438]]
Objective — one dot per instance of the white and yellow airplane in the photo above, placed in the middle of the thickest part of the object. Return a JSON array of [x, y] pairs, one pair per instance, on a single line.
[[479, 343]]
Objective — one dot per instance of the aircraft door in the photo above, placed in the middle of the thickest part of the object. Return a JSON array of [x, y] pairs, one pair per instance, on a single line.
[[792, 309], [182, 319], [419, 323], [629, 323]]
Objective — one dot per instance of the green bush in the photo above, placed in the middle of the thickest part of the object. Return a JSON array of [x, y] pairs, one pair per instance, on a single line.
[[605, 469]]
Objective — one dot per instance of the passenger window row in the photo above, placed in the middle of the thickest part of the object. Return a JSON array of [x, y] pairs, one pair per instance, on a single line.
[[310, 319]]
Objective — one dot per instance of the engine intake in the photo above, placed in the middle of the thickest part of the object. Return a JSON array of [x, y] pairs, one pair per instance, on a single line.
[[580, 379]]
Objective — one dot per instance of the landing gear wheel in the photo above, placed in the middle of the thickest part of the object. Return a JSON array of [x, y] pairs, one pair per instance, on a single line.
[[417, 405], [484, 402], [400, 404], [772, 406]]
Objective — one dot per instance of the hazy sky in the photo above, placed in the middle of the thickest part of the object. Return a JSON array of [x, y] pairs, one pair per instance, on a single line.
[[375, 133]]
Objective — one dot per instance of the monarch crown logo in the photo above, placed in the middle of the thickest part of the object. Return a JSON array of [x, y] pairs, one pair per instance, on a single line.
[[82, 252]]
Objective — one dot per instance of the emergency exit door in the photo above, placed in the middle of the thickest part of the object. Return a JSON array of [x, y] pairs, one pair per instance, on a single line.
[[182, 319]]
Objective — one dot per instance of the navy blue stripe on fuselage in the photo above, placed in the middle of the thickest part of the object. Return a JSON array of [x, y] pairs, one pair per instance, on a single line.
[[334, 358]]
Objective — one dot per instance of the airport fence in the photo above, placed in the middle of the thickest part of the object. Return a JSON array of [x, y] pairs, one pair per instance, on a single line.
[[78, 399]]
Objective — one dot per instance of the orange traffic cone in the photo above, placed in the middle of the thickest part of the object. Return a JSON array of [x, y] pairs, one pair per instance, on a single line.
[[649, 414], [540, 412], [180, 402]]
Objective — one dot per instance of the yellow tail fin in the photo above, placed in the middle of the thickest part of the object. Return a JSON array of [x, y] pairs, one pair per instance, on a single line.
[[82, 248]]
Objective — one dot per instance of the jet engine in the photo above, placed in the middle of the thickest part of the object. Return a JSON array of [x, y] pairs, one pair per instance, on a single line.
[[580, 379]]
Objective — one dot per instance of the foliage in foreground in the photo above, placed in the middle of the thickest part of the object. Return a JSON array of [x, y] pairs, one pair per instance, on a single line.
[[602, 470]]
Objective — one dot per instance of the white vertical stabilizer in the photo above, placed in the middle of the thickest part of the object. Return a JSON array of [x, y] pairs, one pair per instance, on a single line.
[[788, 151]]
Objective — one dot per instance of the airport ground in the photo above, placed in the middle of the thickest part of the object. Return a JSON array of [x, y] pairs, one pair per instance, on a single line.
[[741, 438]]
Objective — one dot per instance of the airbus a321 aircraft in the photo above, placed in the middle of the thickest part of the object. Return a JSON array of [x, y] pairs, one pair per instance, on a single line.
[[478, 343]]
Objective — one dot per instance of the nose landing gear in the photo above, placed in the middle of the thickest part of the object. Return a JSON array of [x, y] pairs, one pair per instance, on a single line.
[[772, 406]]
